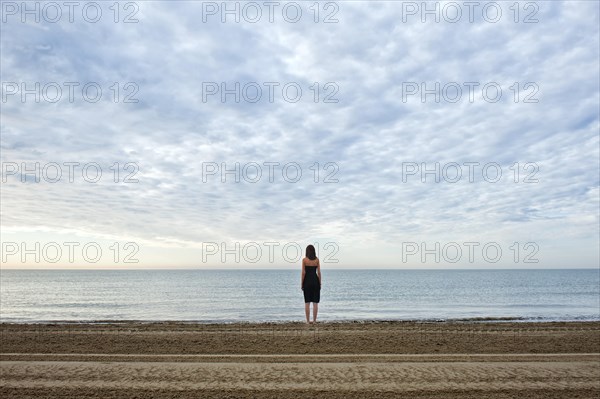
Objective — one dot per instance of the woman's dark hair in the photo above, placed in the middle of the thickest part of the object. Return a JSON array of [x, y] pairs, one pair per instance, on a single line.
[[311, 253]]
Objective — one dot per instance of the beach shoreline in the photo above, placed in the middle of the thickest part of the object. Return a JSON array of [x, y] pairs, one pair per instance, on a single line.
[[370, 359], [479, 319]]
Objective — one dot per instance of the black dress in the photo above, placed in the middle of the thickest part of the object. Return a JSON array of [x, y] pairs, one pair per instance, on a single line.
[[311, 285]]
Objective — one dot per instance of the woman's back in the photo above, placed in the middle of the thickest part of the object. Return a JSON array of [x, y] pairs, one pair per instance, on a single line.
[[311, 278]]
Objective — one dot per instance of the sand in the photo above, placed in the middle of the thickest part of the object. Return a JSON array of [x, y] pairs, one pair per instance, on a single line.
[[331, 360]]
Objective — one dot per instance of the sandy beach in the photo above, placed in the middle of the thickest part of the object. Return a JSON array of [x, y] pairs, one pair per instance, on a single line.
[[291, 360]]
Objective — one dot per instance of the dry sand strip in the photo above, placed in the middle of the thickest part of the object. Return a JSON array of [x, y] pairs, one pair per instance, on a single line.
[[556, 375], [333, 361], [303, 358], [290, 338]]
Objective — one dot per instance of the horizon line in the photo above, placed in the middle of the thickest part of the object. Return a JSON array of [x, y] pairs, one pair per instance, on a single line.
[[279, 269]]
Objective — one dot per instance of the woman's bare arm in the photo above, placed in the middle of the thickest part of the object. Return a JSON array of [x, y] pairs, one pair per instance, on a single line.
[[319, 271], [302, 277]]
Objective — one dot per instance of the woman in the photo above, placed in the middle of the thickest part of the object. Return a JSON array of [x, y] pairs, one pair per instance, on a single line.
[[311, 282]]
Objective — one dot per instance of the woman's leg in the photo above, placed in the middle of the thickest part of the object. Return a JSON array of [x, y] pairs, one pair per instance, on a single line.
[[307, 311], [315, 311]]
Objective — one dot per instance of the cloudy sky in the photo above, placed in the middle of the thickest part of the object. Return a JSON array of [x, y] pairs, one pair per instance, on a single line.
[[499, 103]]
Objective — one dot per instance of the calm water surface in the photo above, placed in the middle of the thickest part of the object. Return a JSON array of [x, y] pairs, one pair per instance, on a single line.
[[275, 295]]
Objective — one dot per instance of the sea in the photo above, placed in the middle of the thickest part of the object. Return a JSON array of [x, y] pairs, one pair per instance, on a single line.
[[233, 296]]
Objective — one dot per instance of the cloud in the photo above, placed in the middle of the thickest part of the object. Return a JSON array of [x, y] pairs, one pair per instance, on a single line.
[[364, 140]]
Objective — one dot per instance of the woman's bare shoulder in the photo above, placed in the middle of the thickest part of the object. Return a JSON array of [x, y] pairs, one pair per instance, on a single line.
[[310, 262]]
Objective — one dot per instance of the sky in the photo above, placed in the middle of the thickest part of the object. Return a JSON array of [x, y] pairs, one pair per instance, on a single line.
[[183, 134]]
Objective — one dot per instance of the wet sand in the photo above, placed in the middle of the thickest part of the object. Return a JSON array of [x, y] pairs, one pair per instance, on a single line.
[[291, 360]]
